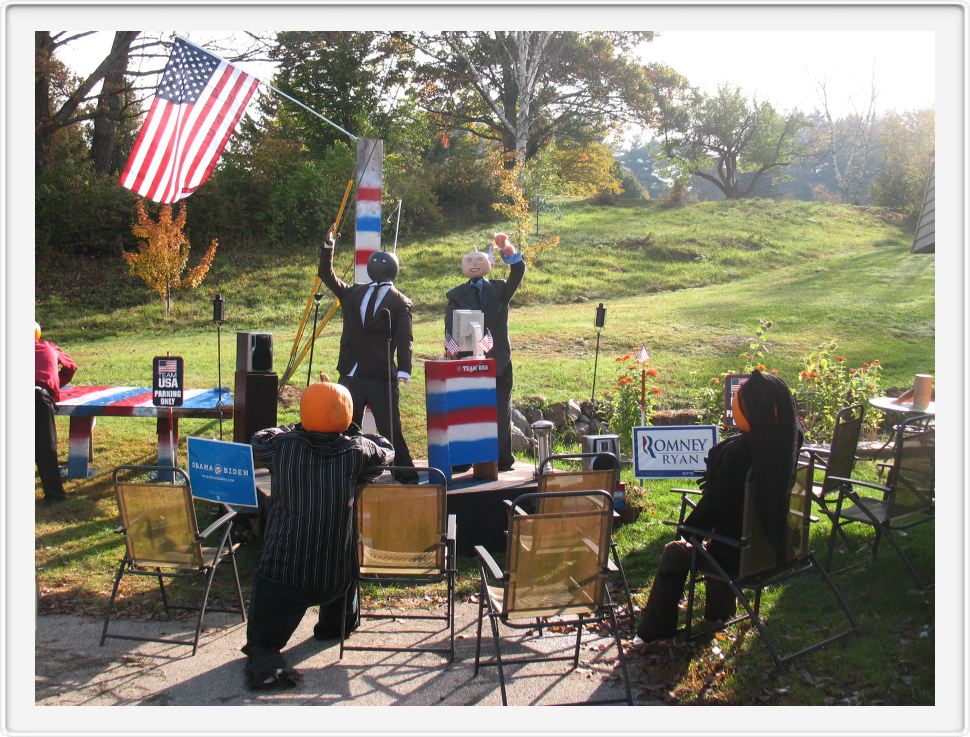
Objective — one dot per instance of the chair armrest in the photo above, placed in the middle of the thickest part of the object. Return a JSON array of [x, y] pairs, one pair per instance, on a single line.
[[688, 531], [216, 525], [452, 527], [511, 505], [693, 492], [856, 482], [490, 563]]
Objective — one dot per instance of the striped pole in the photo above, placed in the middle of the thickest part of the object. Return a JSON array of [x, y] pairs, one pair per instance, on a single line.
[[369, 176]]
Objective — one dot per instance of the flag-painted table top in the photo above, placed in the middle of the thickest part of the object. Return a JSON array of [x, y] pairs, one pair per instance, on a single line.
[[136, 401]]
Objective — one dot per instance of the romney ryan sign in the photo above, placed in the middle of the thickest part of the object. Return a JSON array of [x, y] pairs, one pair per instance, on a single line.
[[671, 451]]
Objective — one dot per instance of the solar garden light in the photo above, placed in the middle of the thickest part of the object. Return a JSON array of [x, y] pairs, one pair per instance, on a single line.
[[600, 322], [542, 430]]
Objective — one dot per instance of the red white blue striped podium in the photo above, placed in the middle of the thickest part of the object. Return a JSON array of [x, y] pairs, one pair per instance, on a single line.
[[84, 403], [462, 419]]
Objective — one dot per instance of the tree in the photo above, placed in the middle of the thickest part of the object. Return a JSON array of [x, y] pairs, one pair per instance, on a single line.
[[163, 256], [722, 137], [525, 88], [647, 162], [847, 144], [350, 77], [908, 143]]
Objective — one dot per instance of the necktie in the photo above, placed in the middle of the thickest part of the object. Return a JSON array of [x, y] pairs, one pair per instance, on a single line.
[[477, 287], [372, 307]]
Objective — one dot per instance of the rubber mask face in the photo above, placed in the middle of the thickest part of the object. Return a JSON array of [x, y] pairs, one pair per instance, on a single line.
[[382, 266], [475, 264], [739, 419]]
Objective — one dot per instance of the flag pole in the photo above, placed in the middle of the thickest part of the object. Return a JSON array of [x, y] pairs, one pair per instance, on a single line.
[[278, 92]]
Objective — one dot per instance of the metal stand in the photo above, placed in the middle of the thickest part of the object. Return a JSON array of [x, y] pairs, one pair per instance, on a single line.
[[219, 362], [390, 379], [313, 335], [592, 397]]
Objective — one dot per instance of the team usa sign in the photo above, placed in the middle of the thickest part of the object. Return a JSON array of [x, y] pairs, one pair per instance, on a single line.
[[167, 381], [672, 451]]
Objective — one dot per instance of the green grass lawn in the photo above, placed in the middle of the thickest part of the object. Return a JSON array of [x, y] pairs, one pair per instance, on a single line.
[[689, 283]]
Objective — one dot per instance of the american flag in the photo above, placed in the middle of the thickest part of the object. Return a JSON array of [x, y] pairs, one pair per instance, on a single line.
[[197, 105], [168, 365], [486, 342], [451, 345], [642, 355]]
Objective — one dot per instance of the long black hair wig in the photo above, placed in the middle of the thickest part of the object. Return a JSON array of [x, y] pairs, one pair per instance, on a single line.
[[775, 440]]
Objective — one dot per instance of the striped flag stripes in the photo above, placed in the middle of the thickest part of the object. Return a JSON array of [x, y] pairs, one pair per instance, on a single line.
[[197, 106]]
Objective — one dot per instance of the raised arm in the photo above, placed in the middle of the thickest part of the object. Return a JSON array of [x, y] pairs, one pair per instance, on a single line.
[[516, 272], [325, 270]]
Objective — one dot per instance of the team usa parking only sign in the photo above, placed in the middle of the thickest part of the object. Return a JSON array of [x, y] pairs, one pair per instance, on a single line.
[[167, 381]]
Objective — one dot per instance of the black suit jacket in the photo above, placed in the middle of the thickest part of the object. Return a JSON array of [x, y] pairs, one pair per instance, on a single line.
[[496, 295], [365, 342]]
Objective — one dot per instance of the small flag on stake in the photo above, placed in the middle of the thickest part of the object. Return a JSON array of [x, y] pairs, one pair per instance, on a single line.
[[197, 105], [642, 355], [486, 342], [451, 346]]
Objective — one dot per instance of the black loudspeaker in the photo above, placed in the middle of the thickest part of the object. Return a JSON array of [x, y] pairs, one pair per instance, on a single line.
[[254, 404], [254, 352]]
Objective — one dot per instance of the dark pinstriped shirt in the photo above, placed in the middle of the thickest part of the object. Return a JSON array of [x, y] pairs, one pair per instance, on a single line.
[[310, 540]]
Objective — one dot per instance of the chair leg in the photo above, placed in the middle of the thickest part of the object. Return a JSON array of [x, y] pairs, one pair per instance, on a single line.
[[620, 656], [875, 542], [111, 601], [498, 658], [626, 585], [235, 573], [579, 640], [835, 592], [478, 639], [451, 616], [161, 587], [899, 551], [205, 603]]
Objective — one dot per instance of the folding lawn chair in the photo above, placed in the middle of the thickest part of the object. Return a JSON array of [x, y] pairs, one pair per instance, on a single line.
[[760, 563], [907, 499], [551, 480], [556, 564], [159, 524], [406, 537]]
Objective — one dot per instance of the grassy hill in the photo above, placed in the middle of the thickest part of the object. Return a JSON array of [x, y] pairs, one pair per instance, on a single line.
[[689, 283]]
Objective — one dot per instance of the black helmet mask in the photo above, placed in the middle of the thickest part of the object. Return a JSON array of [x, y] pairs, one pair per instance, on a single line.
[[382, 266]]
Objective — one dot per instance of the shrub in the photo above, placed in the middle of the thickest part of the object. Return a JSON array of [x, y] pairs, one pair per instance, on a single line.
[[827, 384], [80, 212]]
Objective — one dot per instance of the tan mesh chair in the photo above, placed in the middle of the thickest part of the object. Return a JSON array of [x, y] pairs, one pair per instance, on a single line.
[[907, 499], [556, 566], [162, 540], [551, 480], [406, 537], [761, 565]]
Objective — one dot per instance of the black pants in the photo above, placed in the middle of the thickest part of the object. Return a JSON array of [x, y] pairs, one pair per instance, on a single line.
[[276, 610], [374, 393], [503, 405], [45, 444], [659, 618]]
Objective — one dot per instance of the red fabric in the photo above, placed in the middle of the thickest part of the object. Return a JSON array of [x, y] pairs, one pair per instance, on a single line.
[[53, 368]]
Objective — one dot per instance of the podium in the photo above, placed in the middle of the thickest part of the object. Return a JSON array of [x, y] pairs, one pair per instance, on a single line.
[[462, 419]]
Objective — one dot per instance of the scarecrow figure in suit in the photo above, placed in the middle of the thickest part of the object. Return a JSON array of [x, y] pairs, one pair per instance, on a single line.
[[377, 326], [492, 297]]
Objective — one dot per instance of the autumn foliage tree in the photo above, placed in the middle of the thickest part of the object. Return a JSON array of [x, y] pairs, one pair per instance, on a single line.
[[163, 254]]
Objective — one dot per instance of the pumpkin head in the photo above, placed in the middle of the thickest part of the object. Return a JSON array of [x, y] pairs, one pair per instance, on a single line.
[[326, 407], [739, 419]]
